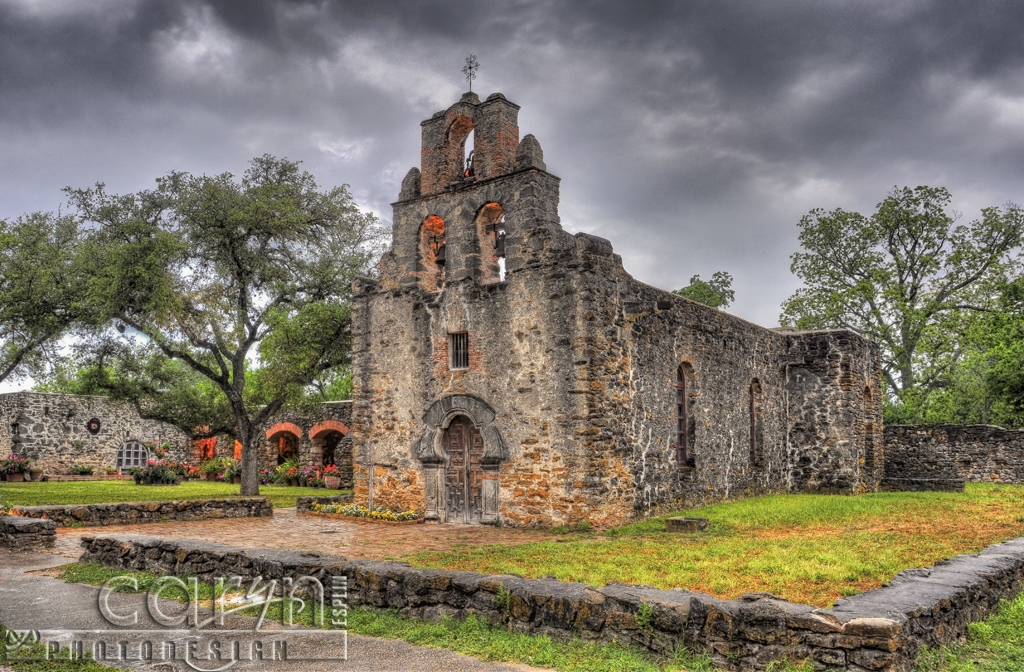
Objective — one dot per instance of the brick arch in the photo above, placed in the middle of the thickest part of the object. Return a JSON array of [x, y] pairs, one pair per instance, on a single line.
[[327, 426], [288, 427]]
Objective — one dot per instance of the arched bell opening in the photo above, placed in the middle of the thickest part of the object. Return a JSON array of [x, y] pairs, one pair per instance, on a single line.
[[432, 254], [490, 232]]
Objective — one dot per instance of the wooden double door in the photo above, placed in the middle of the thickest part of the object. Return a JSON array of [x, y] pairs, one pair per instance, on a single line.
[[464, 476]]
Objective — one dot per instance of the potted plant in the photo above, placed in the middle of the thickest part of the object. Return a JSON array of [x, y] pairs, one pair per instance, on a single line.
[[212, 467], [36, 473], [82, 470], [332, 477], [233, 472], [16, 467], [111, 471]]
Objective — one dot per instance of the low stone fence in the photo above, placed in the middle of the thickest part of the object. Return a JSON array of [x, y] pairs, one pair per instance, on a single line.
[[304, 504], [19, 532], [943, 457], [126, 513], [882, 629]]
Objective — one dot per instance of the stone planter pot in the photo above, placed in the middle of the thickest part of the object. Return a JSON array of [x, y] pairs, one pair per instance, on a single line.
[[332, 482], [236, 480], [17, 477], [36, 474]]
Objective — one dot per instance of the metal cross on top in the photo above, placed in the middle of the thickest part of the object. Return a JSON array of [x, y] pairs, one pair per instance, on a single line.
[[472, 65]]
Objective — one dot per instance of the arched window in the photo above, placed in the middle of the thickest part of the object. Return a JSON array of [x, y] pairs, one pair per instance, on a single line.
[[490, 232], [132, 454], [686, 424], [869, 431], [756, 424], [432, 253], [457, 158]]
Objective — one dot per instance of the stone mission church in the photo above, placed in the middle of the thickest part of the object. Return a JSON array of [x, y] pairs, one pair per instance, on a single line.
[[509, 372]]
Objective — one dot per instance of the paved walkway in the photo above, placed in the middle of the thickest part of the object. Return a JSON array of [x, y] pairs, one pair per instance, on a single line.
[[67, 611], [356, 539]]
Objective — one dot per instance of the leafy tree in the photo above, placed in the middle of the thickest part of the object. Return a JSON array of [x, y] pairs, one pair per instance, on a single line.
[[716, 292], [907, 277], [211, 277], [40, 291]]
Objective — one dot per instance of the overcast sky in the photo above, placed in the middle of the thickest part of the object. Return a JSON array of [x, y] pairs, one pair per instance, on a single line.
[[693, 135]]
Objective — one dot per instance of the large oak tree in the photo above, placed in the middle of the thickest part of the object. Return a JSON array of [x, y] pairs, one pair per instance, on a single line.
[[907, 276], [211, 277]]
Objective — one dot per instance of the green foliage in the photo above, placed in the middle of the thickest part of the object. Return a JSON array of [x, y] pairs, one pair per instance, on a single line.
[[993, 645], [97, 492], [503, 600], [644, 617], [906, 277], [232, 295], [41, 291], [82, 470], [716, 292]]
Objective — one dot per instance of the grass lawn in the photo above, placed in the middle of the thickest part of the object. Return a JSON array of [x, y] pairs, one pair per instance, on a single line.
[[97, 492], [811, 549]]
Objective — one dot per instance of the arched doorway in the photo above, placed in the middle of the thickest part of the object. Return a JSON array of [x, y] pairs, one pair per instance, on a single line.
[[287, 447], [330, 446], [464, 475]]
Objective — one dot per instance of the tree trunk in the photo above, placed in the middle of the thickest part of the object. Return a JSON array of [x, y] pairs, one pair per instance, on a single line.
[[250, 462]]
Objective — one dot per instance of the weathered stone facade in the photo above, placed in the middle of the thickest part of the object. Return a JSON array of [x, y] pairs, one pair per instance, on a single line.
[[943, 457], [53, 430], [559, 389]]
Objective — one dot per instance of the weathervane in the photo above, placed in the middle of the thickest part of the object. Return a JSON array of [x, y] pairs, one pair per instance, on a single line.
[[472, 65]]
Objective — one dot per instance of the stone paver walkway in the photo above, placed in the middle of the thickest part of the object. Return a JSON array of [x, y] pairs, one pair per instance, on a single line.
[[356, 539]]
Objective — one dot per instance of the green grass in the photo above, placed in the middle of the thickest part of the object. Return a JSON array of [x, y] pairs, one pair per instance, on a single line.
[[472, 636], [98, 492], [993, 645], [806, 548]]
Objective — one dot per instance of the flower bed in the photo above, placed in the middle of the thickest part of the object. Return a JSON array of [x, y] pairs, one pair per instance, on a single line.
[[357, 511]]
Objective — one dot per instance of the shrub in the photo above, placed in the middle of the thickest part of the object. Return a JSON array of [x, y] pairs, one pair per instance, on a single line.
[[215, 465], [359, 511], [82, 470], [15, 465]]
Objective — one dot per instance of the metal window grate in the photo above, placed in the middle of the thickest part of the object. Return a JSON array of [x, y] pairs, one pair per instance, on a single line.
[[458, 346], [132, 455]]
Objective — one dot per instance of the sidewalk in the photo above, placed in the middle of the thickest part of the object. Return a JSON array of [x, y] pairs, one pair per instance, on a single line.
[[43, 603]]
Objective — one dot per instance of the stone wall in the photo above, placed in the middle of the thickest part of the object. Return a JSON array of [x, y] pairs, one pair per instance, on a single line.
[[943, 457], [573, 365], [882, 629], [128, 513], [21, 532], [52, 430]]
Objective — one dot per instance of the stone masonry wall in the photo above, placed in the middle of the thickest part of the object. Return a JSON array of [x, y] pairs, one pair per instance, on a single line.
[[51, 430], [941, 457], [125, 513], [883, 629], [572, 366], [23, 533]]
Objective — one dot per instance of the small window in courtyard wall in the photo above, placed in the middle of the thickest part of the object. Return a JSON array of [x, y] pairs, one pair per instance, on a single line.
[[458, 349], [132, 454]]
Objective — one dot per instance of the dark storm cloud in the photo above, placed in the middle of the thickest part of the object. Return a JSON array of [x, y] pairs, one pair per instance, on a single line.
[[692, 134]]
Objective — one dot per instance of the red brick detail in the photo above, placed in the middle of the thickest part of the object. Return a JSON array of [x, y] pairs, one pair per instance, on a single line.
[[327, 426], [288, 427], [477, 358]]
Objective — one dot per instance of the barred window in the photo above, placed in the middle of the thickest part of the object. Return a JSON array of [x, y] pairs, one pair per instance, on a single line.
[[458, 346], [132, 454]]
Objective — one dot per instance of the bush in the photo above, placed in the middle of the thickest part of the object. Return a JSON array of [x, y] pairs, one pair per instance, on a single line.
[[15, 465], [82, 470], [215, 465]]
